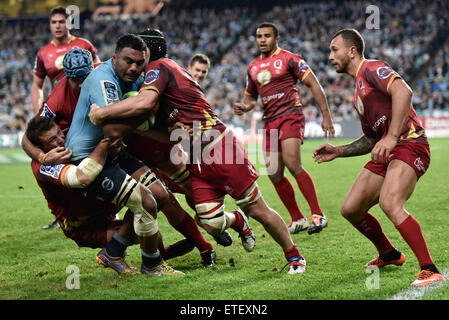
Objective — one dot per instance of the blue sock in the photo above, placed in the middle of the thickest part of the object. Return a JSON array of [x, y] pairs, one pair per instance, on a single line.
[[117, 246], [151, 259]]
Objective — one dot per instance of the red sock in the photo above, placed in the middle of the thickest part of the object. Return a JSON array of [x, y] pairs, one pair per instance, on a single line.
[[371, 229], [189, 229], [238, 224], [292, 252], [287, 195], [411, 231], [307, 187]]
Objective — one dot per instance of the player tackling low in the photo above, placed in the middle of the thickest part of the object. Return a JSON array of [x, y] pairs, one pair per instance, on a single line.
[[400, 154]]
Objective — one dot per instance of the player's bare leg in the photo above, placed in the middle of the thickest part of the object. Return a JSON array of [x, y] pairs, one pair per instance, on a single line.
[[275, 226], [363, 195], [400, 181], [285, 191], [291, 157]]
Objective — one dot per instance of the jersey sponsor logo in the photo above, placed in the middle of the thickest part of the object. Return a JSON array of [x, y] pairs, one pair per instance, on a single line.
[[267, 99], [52, 171], [58, 62], [359, 105], [379, 121], [384, 72], [110, 92], [107, 184], [302, 65], [46, 112], [264, 77], [151, 76]]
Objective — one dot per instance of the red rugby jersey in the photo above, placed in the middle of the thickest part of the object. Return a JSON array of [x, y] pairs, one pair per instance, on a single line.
[[60, 104], [181, 98], [274, 78], [69, 205], [374, 104], [49, 58]]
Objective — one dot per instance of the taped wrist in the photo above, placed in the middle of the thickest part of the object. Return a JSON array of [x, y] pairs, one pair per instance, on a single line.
[[89, 167]]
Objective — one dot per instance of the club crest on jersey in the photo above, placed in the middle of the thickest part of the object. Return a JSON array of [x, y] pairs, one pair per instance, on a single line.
[[264, 77], [110, 92], [47, 113], [278, 64], [384, 72], [52, 171], [151, 76]]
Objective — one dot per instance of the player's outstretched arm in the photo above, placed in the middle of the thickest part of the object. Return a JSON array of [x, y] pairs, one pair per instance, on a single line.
[[146, 101], [320, 98], [328, 152], [37, 93]]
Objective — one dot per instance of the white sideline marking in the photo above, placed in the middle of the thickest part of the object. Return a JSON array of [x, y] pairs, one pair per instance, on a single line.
[[415, 293]]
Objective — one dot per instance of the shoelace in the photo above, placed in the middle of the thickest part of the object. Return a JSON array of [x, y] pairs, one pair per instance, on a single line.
[[289, 263], [424, 274]]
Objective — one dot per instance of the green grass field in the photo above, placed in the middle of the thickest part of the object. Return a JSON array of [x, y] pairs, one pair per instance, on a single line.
[[38, 264]]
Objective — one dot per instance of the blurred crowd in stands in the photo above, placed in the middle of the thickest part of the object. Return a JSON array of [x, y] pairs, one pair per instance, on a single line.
[[411, 37]]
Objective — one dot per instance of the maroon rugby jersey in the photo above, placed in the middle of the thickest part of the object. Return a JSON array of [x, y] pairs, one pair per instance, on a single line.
[[274, 78], [69, 205], [374, 104], [60, 104], [181, 98], [49, 58]]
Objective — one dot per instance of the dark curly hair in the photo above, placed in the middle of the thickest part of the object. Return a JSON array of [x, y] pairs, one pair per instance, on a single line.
[[155, 41]]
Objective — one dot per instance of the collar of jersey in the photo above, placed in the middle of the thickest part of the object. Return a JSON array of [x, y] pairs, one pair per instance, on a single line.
[[274, 53]]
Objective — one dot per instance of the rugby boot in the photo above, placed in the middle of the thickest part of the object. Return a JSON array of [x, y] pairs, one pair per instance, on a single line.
[[207, 259], [427, 277], [378, 262], [116, 263], [160, 269], [297, 225], [318, 223]]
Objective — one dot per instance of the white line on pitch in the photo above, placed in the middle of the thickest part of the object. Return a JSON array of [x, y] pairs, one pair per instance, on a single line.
[[415, 293]]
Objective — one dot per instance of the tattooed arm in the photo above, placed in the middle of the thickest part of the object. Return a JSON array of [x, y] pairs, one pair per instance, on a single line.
[[328, 152]]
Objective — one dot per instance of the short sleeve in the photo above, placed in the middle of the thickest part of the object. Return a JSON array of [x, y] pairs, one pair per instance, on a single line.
[[299, 67], [380, 75], [156, 78], [39, 67]]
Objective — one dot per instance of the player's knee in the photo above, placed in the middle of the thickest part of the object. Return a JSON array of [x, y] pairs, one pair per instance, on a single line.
[[148, 201], [211, 215], [389, 204], [348, 210], [160, 193]]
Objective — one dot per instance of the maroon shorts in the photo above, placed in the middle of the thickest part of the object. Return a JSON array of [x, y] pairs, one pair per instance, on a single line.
[[92, 234], [232, 173], [416, 155], [289, 125]]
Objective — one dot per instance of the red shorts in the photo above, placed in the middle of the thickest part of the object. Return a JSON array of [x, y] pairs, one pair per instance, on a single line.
[[232, 174], [416, 155], [93, 234], [289, 125]]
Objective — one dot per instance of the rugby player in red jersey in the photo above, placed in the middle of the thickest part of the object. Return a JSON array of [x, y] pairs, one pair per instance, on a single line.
[[60, 106], [400, 154], [273, 76], [49, 58], [86, 220], [220, 168]]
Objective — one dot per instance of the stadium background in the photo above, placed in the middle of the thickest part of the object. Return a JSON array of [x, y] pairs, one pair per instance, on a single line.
[[412, 37]]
